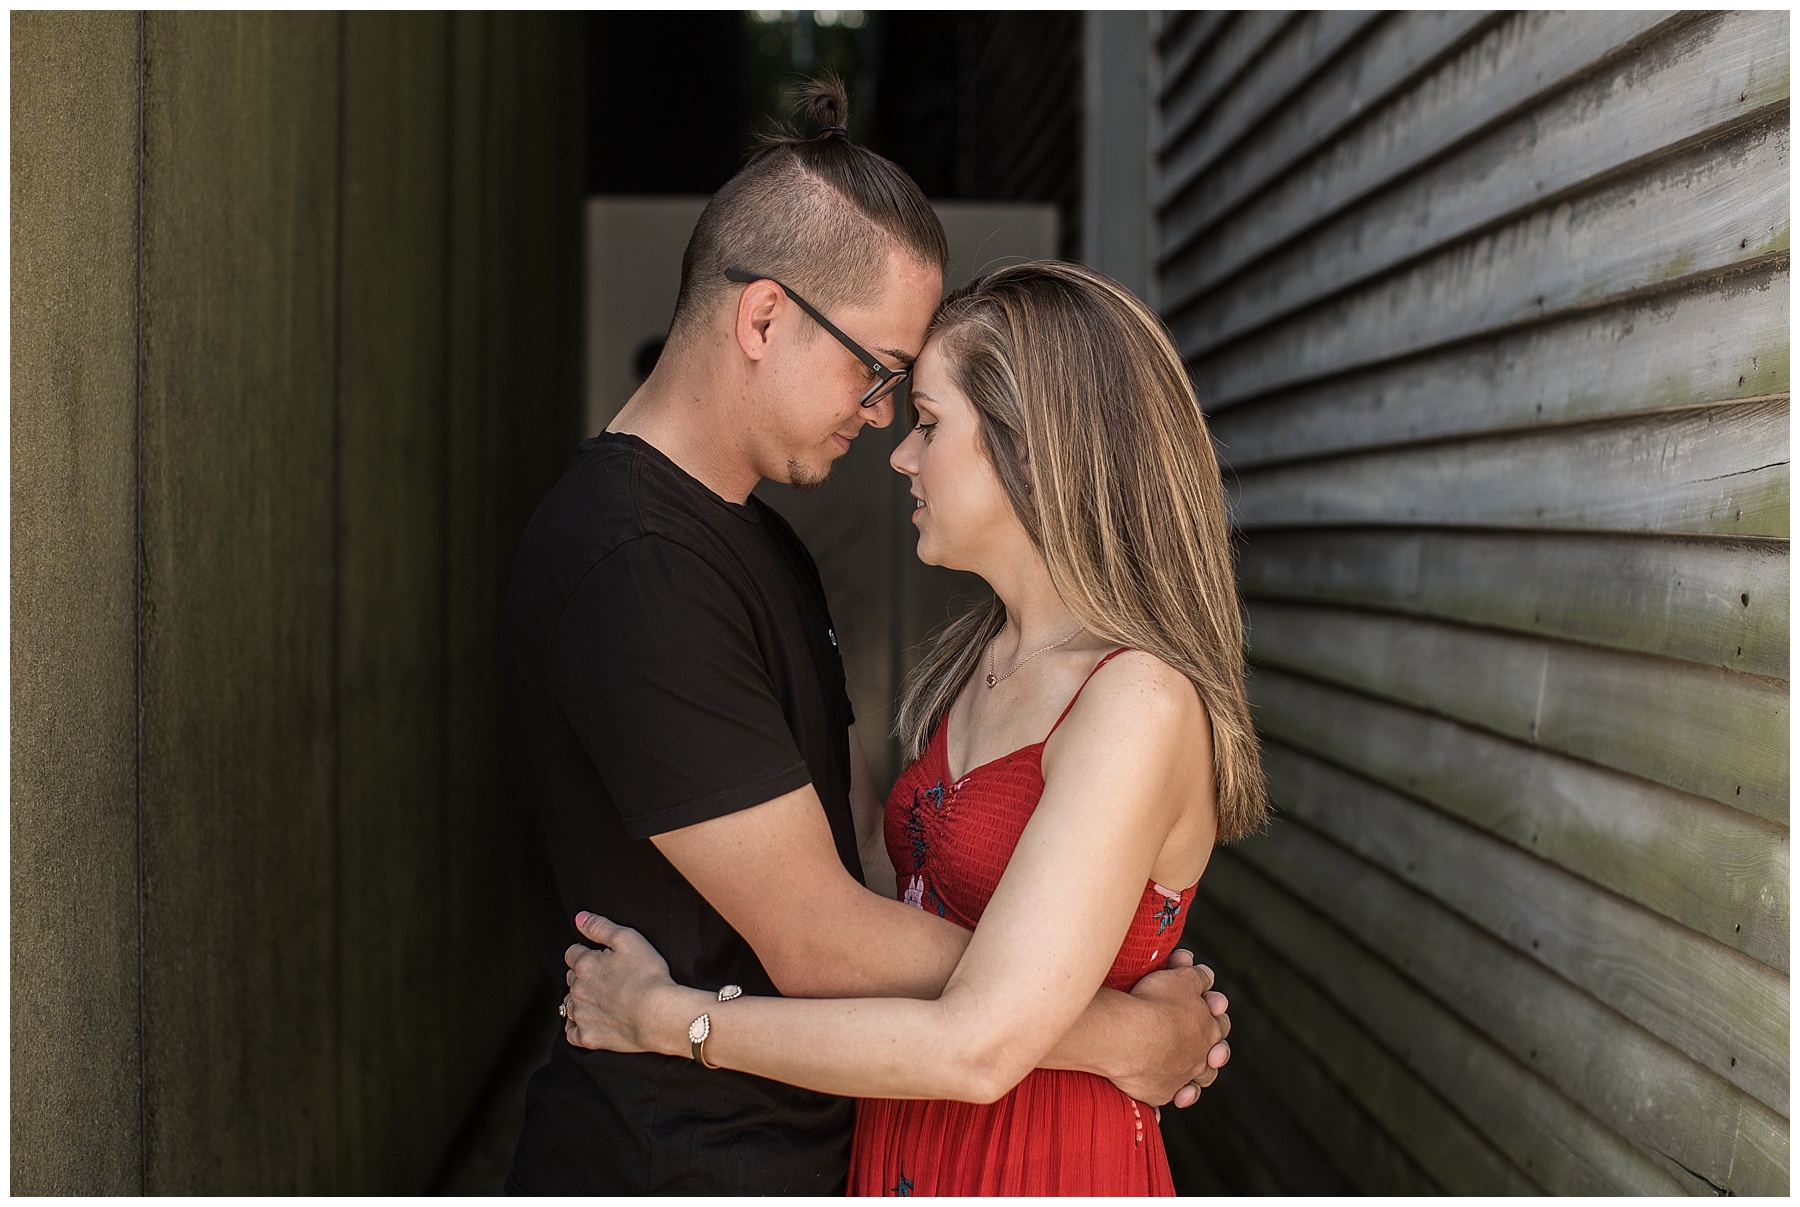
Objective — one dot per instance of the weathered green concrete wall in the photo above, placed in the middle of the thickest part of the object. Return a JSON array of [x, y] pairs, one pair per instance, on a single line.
[[295, 320]]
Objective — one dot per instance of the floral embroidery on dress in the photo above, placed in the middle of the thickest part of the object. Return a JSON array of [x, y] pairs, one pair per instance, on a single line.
[[915, 824], [1171, 907], [918, 892]]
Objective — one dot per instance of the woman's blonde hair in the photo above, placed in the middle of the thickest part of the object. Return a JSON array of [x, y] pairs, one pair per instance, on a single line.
[[1089, 419]]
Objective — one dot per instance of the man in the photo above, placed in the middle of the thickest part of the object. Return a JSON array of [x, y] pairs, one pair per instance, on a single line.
[[696, 769]]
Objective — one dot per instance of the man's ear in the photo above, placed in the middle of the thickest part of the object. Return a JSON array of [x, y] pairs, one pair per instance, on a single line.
[[758, 306]]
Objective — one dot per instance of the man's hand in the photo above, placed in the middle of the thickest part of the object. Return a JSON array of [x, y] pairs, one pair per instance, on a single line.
[[1188, 1046]]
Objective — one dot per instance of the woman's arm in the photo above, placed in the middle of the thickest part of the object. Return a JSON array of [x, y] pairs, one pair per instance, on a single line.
[[1124, 767]]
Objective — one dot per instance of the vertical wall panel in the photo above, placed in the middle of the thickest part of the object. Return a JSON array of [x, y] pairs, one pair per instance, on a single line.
[[1115, 140], [392, 378], [514, 419], [348, 368], [486, 914], [1498, 367], [74, 709], [240, 750], [491, 925]]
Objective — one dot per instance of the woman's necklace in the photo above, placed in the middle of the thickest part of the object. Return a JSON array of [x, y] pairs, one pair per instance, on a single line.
[[993, 679]]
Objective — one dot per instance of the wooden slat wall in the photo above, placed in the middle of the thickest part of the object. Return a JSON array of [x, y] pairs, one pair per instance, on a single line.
[[238, 659], [296, 351], [1489, 314]]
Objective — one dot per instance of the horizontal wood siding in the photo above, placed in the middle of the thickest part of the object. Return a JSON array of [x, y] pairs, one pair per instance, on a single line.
[[1707, 866], [1722, 340], [1689, 470], [1489, 315], [1720, 603]]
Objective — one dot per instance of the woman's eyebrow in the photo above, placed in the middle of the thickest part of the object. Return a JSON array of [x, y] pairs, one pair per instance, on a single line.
[[918, 393]]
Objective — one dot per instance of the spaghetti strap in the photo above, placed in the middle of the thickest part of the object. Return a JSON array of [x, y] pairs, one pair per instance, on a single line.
[[1083, 687]]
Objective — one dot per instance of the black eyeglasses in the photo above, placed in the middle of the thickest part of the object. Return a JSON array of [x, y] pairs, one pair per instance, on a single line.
[[887, 381]]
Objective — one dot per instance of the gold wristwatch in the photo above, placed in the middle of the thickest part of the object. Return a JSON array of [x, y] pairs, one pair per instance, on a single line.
[[701, 1027]]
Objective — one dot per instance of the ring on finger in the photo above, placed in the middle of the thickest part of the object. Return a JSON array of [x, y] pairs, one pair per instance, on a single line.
[[563, 1009]]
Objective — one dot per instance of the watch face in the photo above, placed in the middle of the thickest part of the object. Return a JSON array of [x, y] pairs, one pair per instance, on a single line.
[[699, 1029]]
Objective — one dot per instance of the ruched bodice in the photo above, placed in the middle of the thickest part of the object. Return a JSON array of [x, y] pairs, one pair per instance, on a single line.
[[1057, 1132]]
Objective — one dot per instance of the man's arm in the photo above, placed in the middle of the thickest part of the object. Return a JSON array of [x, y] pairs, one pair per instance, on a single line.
[[641, 628], [1164, 1041], [867, 809], [773, 873], [1069, 841]]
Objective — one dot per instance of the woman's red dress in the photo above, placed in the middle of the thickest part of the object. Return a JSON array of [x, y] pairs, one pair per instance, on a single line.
[[1057, 1132]]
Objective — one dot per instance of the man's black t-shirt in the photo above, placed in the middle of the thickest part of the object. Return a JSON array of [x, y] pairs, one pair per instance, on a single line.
[[671, 660]]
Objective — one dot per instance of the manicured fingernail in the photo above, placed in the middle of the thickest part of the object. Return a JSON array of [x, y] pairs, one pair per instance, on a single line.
[[581, 919]]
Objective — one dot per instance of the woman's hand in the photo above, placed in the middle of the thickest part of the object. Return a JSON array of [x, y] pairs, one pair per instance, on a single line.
[[613, 991]]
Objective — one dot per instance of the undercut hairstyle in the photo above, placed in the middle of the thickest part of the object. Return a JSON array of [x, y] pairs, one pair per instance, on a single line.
[[819, 213], [1086, 412]]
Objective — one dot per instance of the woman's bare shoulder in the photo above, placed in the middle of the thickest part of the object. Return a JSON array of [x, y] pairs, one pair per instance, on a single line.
[[1137, 693]]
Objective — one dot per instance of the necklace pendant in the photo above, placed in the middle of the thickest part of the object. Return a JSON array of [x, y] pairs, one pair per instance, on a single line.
[[991, 680]]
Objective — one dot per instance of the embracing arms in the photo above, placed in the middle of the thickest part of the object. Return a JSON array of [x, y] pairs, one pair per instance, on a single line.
[[1167, 1032], [1020, 996]]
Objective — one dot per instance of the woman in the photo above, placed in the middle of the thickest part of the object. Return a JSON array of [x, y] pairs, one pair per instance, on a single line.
[[1075, 747]]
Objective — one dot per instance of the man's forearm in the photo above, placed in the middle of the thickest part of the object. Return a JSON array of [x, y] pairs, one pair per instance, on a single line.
[[1108, 1038], [883, 948], [1150, 1041], [876, 946]]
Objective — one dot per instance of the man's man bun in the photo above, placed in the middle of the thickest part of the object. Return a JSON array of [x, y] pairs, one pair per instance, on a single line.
[[825, 103]]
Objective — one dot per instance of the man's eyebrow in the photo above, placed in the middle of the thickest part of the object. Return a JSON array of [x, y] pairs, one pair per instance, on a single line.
[[906, 359]]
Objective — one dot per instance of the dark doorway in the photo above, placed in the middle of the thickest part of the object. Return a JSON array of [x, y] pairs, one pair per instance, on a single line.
[[976, 106]]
